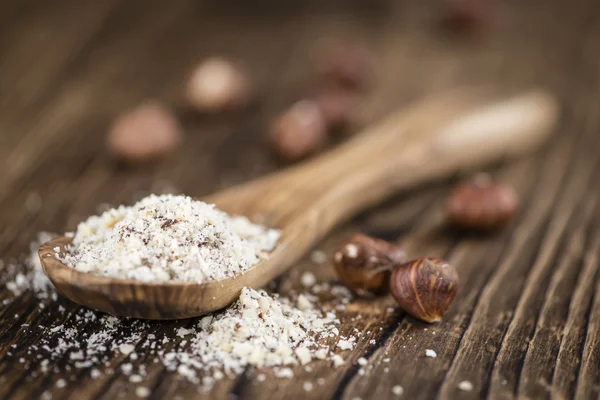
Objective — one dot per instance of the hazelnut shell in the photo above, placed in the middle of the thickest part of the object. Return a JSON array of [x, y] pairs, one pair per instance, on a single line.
[[481, 204], [364, 263], [424, 288]]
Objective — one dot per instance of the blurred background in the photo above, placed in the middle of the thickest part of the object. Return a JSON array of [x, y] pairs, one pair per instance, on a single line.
[[69, 70]]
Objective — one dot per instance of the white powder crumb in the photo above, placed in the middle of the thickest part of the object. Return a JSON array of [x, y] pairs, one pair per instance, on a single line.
[[308, 279], [261, 377], [218, 375], [321, 381], [181, 332], [318, 257], [126, 348], [135, 378], [142, 392], [397, 390], [303, 303], [321, 354], [351, 250], [94, 373], [308, 386], [430, 353], [186, 372], [465, 386], [362, 361], [61, 383], [46, 396], [126, 368], [77, 355], [168, 238], [386, 360], [346, 344], [337, 360], [284, 373], [303, 354]]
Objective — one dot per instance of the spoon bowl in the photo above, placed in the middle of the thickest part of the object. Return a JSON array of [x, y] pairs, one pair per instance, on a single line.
[[435, 138]]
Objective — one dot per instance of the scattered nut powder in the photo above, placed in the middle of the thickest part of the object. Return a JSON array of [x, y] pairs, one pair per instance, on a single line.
[[318, 257], [259, 330], [32, 277], [398, 390], [308, 279], [126, 348], [430, 353], [465, 386], [142, 392], [168, 238]]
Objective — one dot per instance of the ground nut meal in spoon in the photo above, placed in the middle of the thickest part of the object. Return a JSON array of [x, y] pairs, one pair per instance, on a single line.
[[168, 238]]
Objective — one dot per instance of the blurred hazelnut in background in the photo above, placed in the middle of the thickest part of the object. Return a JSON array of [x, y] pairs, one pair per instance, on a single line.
[[299, 131], [481, 204], [346, 63], [338, 106], [468, 16], [217, 85], [145, 132]]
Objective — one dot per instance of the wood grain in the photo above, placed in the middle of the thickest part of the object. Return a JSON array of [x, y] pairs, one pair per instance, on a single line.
[[527, 322]]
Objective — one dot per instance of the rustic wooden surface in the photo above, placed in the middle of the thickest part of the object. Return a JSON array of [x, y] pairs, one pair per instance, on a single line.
[[527, 321]]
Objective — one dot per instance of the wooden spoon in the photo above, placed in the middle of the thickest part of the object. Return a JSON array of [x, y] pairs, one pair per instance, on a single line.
[[433, 139]]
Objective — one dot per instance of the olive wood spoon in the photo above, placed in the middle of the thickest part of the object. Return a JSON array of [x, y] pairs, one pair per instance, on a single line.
[[435, 138]]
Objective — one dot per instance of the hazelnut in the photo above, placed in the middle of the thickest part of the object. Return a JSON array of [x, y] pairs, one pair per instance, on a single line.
[[217, 85], [338, 105], [467, 15], [481, 204], [344, 63], [363, 264], [424, 287], [299, 131], [145, 132]]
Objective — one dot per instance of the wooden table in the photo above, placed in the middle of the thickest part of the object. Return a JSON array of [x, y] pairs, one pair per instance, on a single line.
[[527, 321]]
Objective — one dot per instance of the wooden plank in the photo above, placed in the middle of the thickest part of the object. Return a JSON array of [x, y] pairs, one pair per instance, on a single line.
[[526, 321]]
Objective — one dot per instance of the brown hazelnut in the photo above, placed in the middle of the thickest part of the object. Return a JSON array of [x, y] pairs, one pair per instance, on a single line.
[[299, 131], [338, 105], [363, 264], [345, 63], [481, 204], [468, 15], [217, 85], [145, 132], [424, 288]]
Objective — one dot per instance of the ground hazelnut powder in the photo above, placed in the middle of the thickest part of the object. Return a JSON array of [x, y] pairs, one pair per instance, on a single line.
[[168, 238], [260, 330]]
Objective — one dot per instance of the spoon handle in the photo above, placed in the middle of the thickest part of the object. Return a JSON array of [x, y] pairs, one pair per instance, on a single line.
[[440, 138]]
